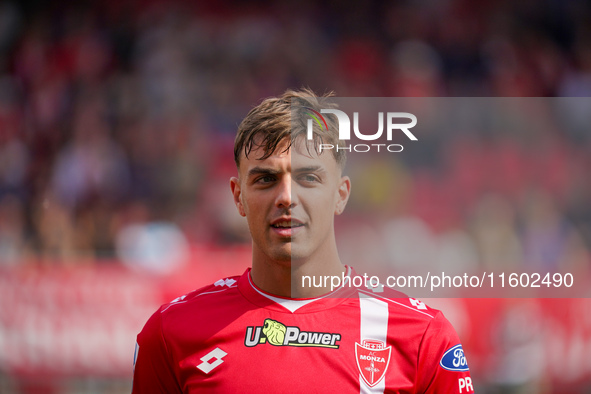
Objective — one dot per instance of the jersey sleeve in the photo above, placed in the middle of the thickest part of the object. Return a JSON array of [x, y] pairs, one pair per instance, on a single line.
[[153, 367], [442, 365]]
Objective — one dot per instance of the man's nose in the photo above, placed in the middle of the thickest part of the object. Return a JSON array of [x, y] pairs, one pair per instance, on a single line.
[[284, 198]]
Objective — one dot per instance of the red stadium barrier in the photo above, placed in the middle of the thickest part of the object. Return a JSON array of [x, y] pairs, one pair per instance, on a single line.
[[82, 321]]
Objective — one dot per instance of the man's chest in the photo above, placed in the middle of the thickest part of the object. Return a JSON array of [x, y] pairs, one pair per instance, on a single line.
[[318, 352]]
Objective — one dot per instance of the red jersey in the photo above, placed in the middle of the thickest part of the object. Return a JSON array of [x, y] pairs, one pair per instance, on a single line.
[[233, 337]]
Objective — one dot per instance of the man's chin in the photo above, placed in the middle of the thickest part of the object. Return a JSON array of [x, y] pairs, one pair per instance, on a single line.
[[298, 255], [289, 254], [288, 259], [282, 255]]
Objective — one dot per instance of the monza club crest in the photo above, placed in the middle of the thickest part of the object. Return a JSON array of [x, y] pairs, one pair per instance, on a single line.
[[372, 358]]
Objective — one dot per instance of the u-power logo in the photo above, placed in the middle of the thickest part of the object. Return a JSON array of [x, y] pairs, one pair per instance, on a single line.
[[392, 123]]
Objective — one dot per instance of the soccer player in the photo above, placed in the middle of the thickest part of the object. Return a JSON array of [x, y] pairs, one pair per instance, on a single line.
[[265, 331]]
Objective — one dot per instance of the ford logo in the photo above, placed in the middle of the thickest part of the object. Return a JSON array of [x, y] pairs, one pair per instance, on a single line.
[[454, 360]]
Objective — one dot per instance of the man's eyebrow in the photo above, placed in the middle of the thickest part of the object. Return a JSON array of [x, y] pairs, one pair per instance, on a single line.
[[262, 171], [309, 169]]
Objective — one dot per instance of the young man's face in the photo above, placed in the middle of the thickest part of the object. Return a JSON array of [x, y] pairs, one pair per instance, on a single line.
[[289, 200]]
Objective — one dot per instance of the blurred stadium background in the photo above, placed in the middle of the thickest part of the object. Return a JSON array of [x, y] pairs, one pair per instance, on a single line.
[[117, 121]]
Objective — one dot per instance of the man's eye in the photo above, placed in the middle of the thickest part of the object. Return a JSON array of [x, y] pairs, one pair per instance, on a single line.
[[265, 179], [309, 178]]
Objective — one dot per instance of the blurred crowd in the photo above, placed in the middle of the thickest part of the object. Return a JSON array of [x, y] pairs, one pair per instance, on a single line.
[[117, 120]]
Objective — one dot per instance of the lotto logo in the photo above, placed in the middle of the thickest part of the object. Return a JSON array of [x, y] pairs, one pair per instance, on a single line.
[[216, 354], [418, 304], [225, 282]]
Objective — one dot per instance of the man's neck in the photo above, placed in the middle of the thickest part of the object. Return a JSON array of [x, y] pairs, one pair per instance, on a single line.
[[285, 278]]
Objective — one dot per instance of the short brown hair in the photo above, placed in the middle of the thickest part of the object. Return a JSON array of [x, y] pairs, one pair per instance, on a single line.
[[278, 118]]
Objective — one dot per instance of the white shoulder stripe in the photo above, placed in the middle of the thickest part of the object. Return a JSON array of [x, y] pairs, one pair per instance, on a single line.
[[373, 326]]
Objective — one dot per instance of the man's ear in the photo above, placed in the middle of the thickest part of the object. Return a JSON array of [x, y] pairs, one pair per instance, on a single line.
[[237, 193], [344, 192]]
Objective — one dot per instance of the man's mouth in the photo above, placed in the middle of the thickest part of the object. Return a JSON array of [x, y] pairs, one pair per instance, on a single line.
[[287, 224], [286, 227]]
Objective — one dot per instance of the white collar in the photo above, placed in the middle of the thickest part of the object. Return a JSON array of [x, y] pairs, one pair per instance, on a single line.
[[293, 304]]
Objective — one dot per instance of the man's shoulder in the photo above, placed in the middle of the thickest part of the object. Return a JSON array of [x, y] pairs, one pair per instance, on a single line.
[[412, 320], [208, 296], [401, 304], [198, 314]]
